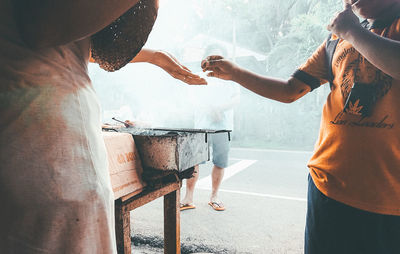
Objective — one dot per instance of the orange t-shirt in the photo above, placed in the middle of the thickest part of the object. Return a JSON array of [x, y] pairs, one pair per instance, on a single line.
[[356, 159]]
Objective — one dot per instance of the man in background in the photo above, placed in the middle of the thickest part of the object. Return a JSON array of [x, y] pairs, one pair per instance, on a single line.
[[214, 110]]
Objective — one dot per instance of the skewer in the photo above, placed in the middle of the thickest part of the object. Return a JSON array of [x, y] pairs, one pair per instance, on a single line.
[[126, 124]]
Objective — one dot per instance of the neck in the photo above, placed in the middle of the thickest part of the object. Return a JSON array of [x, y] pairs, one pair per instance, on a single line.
[[389, 12]]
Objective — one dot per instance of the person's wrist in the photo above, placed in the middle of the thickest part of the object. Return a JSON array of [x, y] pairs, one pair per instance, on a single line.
[[157, 57], [351, 34], [237, 74]]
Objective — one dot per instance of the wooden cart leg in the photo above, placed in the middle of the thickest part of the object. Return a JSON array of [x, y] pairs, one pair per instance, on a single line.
[[122, 229], [172, 223]]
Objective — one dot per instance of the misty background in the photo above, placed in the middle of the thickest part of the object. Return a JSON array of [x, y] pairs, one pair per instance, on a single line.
[[266, 36]]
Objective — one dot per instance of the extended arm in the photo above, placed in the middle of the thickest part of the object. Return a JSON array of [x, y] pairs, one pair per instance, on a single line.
[[286, 91], [48, 23], [168, 63], [280, 90]]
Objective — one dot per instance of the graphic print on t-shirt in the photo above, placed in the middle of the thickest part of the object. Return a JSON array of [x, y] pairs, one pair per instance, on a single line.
[[361, 84], [356, 159]]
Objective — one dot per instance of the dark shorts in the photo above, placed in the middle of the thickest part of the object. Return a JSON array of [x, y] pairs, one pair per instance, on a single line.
[[335, 228]]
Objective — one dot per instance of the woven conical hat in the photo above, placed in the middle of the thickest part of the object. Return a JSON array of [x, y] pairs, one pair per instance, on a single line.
[[118, 43]]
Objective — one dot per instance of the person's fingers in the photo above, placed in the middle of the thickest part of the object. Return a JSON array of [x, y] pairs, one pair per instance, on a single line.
[[195, 81], [329, 27], [215, 74], [214, 57], [185, 71], [181, 65], [210, 68], [191, 75], [213, 64], [128, 123], [200, 81], [203, 63], [211, 58], [176, 61], [212, 74], [189, 78], [346, 5]]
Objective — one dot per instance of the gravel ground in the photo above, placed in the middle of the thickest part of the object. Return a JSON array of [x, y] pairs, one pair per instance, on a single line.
[[154, 244], [252, 223]]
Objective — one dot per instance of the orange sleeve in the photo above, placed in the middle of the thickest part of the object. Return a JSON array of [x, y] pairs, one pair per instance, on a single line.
[[396, 31], [314, 72], [91, 60]]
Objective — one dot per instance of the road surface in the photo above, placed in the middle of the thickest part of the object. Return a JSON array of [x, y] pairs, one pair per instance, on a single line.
[[264, 192]]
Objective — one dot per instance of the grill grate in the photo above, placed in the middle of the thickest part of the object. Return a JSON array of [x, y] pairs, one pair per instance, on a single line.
[[169, 131]]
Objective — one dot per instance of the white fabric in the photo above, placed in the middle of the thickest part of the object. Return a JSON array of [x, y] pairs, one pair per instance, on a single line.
[[55, 191]]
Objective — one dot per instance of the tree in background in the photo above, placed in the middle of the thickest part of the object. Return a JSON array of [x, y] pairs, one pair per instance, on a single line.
[[286, 32]]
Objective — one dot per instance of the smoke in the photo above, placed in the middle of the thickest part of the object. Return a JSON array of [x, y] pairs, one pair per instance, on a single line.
[[273, 44]]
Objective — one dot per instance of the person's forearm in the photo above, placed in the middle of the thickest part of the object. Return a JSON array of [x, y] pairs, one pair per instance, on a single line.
[[151, 56], [145, 56], [383, 53], [271, 88]]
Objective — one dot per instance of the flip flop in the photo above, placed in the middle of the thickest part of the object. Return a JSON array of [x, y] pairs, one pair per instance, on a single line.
[[217, 206], [184, 207]]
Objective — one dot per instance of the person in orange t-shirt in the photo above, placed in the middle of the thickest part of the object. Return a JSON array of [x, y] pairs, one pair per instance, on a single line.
[[354, 181]]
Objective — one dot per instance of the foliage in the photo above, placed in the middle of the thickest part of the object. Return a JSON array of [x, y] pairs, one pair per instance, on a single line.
[[286, 32]]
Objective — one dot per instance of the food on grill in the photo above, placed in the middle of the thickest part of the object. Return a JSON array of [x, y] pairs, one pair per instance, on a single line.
[[129, 123], [117, 44]]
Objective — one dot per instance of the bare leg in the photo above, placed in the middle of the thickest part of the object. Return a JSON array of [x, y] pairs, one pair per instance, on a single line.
[[217, 175], [190, 184]]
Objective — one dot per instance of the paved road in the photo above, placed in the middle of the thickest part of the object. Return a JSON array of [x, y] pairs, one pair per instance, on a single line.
[[265, 195]]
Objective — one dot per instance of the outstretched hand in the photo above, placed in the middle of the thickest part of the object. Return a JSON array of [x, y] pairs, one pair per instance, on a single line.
[[344, 22], [219, 67], [171, 65]]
